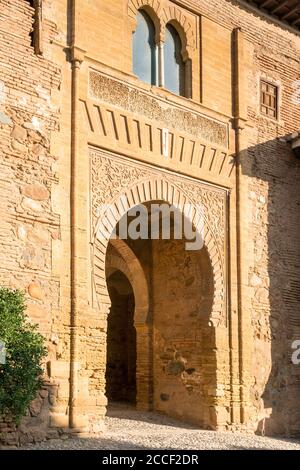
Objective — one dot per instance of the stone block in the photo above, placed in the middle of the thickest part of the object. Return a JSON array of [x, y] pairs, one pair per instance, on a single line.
[[81, 422], [37, 192], [19, 133], [63, 389], [59, 369], [59, 421], [35, 291], [4, 119], [35, 407]]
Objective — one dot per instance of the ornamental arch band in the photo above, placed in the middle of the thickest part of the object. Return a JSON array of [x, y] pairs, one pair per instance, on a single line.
[[143, 184]]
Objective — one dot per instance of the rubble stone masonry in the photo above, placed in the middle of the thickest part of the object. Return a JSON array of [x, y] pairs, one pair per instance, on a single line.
[[78, 130]]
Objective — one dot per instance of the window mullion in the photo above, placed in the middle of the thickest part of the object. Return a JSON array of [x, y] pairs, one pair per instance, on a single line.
[[161, 64]]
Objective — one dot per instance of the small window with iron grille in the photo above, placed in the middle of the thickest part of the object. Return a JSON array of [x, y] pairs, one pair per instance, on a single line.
[[269, 99]]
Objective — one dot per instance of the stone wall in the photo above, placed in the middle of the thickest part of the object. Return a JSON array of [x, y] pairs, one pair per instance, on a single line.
[[271, 182], [272, 177], [29, 225], [149, 127], [35, 427], [184, 359], [121, 342]]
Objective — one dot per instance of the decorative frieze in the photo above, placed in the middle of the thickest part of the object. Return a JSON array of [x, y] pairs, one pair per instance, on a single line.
[[121, 95]]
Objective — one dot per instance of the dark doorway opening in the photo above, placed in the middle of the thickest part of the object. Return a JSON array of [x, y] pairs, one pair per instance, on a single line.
[[121, 341]]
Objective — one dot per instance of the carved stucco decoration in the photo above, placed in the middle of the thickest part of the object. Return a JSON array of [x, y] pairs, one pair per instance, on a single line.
[[114, 177], [133, 100]]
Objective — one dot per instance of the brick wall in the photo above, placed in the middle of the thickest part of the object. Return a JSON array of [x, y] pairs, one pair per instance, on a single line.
[[184, 363], [35, 426], [28, 172], [35, 135]]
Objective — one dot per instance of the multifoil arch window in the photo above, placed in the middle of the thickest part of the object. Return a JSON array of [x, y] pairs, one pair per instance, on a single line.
[[144, 49], [160, 54], [174, 66]]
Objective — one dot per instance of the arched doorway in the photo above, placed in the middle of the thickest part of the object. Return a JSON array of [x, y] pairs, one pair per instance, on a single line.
[[122, 259], [121, 341], [173, 288], [206, 376], [141, 192]]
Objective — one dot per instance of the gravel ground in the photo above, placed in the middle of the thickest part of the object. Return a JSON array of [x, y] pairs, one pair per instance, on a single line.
[[128, 429]]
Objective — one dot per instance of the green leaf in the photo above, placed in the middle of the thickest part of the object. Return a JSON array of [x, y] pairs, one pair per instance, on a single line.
[[20, 376]]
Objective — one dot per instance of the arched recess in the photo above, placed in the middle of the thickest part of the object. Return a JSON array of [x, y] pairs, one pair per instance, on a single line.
[[131, 267], [184, 58], [123, 259], [144, 55], [154, 189], [174, 64], [161, 15]]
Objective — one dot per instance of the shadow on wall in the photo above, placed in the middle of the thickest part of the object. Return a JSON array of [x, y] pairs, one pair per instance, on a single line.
[[274, 281], [183, 361], [121, 341]]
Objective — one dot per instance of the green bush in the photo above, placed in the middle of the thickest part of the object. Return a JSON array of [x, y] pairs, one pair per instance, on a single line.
[[21, 374]]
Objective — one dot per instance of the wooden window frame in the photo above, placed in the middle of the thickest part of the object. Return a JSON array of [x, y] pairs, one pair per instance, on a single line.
[[269, 108]]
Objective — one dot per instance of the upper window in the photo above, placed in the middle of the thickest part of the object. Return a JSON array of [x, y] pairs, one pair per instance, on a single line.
[[174, 64], [144, 49], [160, 63], [269, 99]]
